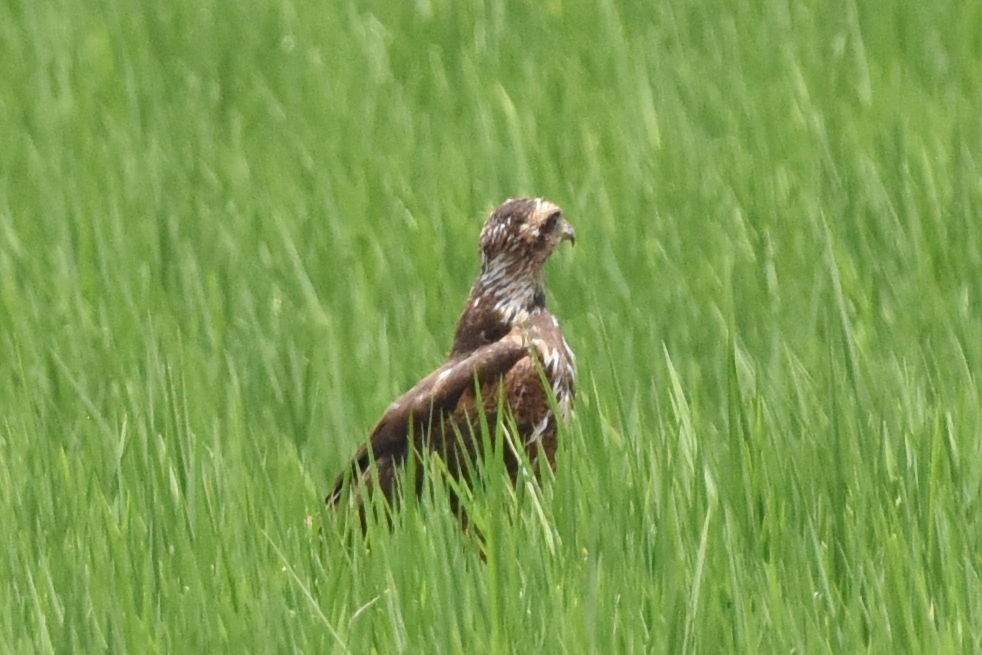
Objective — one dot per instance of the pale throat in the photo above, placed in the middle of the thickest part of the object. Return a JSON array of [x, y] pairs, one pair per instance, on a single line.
[[514, 289]]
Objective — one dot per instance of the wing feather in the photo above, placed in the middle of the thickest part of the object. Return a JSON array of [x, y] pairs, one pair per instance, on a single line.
[[429, 402]]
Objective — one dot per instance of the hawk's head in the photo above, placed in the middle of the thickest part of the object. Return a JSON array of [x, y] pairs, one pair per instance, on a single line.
[[522, 233], [516, 241]]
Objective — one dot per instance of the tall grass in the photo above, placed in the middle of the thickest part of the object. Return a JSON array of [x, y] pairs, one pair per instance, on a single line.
[[231, 233]]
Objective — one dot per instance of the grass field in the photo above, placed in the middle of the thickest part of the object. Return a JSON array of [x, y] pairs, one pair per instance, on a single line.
[[232, 232]]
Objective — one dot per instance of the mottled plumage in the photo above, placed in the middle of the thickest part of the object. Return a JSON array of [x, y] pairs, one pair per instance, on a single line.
[[505, 344]]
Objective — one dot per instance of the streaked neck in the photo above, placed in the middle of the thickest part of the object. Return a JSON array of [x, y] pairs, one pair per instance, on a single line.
[[514, 291]]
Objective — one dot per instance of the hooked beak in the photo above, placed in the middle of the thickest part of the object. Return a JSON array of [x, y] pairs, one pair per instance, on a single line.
[[567, 233]]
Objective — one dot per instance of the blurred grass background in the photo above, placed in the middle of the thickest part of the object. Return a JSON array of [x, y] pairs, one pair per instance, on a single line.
[[231, 233]]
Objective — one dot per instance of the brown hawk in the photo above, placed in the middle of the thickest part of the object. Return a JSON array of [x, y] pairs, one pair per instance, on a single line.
[[507, 347]]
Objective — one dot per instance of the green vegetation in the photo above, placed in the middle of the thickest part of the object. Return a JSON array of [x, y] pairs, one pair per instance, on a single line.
[[231, 233]]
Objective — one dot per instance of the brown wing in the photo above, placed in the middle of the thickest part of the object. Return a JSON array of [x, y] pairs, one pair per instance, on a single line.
[[539, 384], [434, 400]]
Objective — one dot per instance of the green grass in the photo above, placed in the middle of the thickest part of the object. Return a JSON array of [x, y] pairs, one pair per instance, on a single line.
[[231, 233]]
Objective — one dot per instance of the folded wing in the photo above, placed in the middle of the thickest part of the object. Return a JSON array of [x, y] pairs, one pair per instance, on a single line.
[[436, 400]]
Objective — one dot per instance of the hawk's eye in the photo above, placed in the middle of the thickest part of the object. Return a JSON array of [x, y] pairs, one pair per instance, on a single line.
[[550, 223]]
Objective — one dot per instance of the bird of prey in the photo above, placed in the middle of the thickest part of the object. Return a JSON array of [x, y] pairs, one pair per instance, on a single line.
[[508, 354]]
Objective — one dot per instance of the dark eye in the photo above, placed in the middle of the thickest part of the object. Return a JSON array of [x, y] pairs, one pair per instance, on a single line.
[[550, 223]]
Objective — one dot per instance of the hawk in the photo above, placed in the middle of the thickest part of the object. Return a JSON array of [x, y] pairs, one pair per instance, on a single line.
[[507, 350]]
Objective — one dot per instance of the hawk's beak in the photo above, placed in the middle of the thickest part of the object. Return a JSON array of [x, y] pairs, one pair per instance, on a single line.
[[567, 233]]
